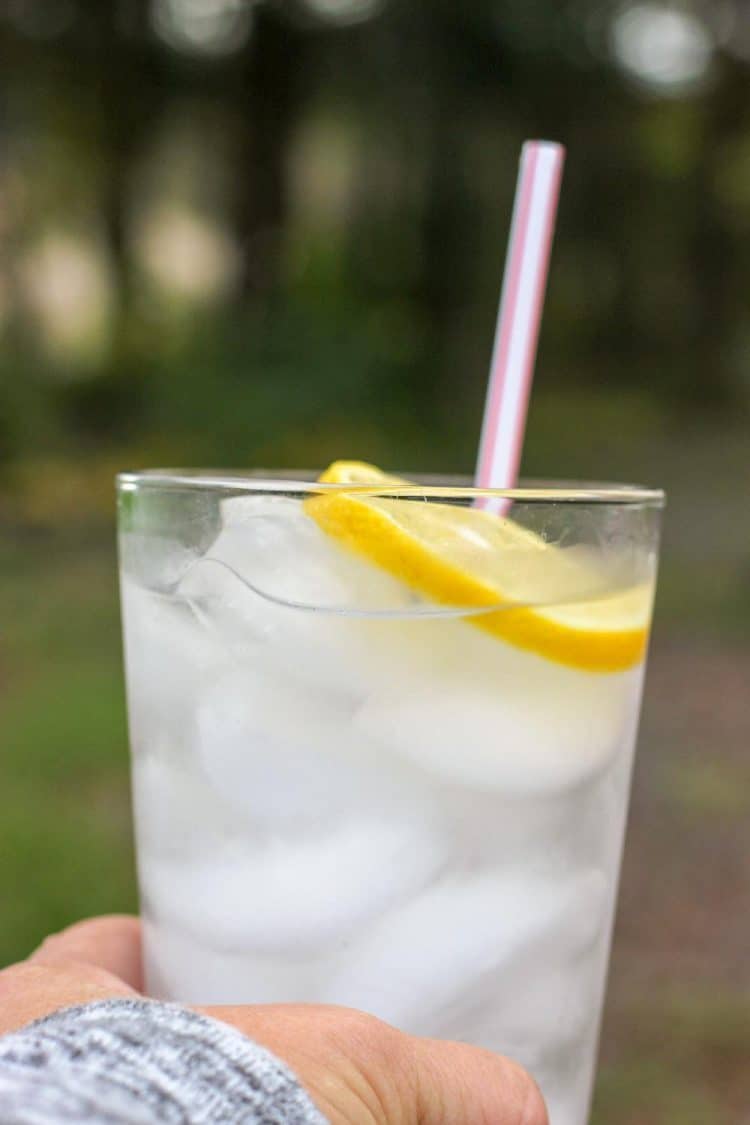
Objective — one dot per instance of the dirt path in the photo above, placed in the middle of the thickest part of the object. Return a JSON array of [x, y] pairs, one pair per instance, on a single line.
[[676, 1035]]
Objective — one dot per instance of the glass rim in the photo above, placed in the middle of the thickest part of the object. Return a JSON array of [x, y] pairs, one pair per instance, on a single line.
[[427, 485]]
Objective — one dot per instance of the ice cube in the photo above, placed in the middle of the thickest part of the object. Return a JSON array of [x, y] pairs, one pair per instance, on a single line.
[[292, 896], [176, 815], [287, 758], [279, 550], [515, 723], [155, 561], [179, 967], [477, 952], [273, 548], [255, 630], [168, 654], [273, 577]]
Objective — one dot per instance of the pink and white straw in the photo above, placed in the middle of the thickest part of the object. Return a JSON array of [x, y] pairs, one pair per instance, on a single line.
[[517, 332]]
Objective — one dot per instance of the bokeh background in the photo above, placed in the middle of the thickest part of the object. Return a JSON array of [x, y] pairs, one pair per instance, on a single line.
[[272, 234]]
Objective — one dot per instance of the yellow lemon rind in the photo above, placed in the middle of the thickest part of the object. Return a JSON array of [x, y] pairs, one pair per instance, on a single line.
[[371, 533]]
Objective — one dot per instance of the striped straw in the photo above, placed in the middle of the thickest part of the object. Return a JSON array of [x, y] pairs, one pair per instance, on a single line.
[[517, 331]]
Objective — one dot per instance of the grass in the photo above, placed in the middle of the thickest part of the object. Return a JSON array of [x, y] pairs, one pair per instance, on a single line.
[[681, 1061], [65, 837]]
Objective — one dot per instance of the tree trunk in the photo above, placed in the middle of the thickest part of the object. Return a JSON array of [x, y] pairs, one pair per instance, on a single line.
[[270, 84], [716, 251]]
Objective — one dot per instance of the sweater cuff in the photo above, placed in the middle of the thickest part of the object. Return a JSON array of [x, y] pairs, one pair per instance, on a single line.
[[144, 1061]]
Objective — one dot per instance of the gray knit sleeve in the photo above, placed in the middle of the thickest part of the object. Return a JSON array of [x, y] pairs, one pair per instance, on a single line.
[[138, 1062]]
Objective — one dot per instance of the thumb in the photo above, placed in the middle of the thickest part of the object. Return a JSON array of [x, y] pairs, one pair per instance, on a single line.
[[456, 1084], [359, 1069]]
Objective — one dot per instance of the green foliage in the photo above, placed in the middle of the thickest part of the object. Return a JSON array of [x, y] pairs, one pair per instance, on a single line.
[[65, 836]]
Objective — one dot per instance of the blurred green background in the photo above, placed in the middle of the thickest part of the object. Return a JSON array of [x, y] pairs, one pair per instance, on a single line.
[[272, 234]]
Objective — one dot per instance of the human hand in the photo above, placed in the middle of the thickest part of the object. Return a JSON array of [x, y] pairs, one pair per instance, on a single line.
[[357, 1069]]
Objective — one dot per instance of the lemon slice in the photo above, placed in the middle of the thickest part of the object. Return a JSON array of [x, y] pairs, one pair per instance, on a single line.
[[466, 557]]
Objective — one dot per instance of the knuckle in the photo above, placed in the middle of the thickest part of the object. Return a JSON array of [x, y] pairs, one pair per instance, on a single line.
[[52, 941], [380, 1039], [382, 1048], [369, 1059], [84, 933], [350, 1020]]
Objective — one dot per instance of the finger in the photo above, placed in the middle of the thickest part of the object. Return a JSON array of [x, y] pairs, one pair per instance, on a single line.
[[31, 990], [456, 1084], [112, 943]]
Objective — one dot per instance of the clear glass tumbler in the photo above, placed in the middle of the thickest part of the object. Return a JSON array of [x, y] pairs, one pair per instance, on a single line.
[[382, 744]]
